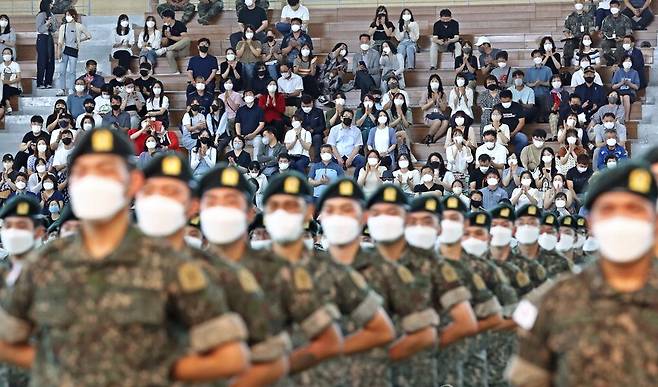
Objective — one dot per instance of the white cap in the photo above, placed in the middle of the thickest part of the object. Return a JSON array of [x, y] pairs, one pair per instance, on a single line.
[[482, 40]]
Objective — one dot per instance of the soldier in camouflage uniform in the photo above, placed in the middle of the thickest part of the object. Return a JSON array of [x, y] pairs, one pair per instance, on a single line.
[[526, 255], [584, 255], [208, 9], [179, 5], [549, 240], [565, 245], [19, 216], [239, 4], [61, 6], [578, 23], [486, 306], [593, 329], [99, 305], [613, 30], [167, 186]]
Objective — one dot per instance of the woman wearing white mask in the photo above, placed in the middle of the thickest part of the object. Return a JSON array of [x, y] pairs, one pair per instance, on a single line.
[[151, 148], [626, 81], [157, 104], [248, 52], [382, 139], [501, 129], [569, 151], [512, 174], [588, 52], [231, 69], [427, 184], [71, 34], [204, 154], [306, 66], [551, 199], [458, 190], [50, 194], [123, 39], [256, 173], [461, 99], [237, 156], [526, 192], [34, 182], [400, 114], [10, 71], [370, 176], [433, 109], [458, 154], [149, 41], [546, 169], [273, 104], [551, 57], [298, 142], [41, 151], [405, 176], [7, 34], [391, 64], [407, 34]]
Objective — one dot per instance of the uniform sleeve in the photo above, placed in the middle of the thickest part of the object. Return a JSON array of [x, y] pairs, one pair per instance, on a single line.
[[354, 297], [15, 325], [448, 287], [409, 301]]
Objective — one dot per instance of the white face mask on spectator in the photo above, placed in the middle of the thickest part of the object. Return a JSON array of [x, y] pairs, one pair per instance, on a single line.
[[526, 182], [614, 10], [461, 82], [3, 23], [547, 159], [609, 124], [42, 147], [571, 140], [502, 64], [6, 57], [150, 24], [271, 88], [306, 52], [459, 121], [364, 47], [458, 139], [578, 6], [124, 23], [36, 129], [69, 19], [248, 99], [200, 86], [325, 156], [283, 166], [230, 57], [386, 50], [403, 164], [548, 47], [406, 17], [87, 126], [627, 65], [296, 124], [506, 105], [626, 46], [20, 185], [398, 102], [373, 161], [339, 101], [587, 42], [556, 84], [457, 190], [41, 168], [518, 81], [611, 142], [382, 120], [434, 86], [249, 35], [248, 3], [538, 60], [295, 27]]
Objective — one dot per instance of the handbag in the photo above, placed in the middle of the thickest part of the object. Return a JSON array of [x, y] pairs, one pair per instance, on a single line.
[[69, 51]]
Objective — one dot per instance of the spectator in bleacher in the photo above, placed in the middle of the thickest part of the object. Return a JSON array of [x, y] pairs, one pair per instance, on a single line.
[[569, 151], [232, 101], [572, 122], [139, 135], [175, 42], [393, 90], [93, 81], [56, 135], [89, 106], [70, 35], [28, 143], [559, 187], [513, 117], [381, 29], [76, 101], [458, 155], [231, 69], [611, 147], [488, 99], [49, 194], [273, 104], [442, 175], [346, 142], [370, 176], [407, 35], [402, 146], [204, 155], [628, 48], [292, 10], [531, 154], [613, 30], [208, 9], [250, 121], [602, 11], [391, 64], [558, 101], [145, 81], [406, 176], [538, 78], [578, 176], [133, 102], [640, 9], [496, 151], [609, 122], [579, 22], [261, 80], [591, 94], [63, 146], [7, 34], [34, 181], [238, 157], [479, 172], [460, 121], [149, 41], [523, 95], [492, 192], [334, 115], [503, 72], [59, 112], [283, 163], [613, 106], [475, 201], [445, 38], [298, 142], [193, 122], [250, 15], [502, 130], [152, 148], [203, 96], [217, 124], [366, 116], [487, 57], [170, 6], [578, 76], [117, 118], [627, 82], [10, 71], [40, 151], [400, 113], [365, 66], [269, 152], [290, 85], [313, 121], [433, 109], [118, 81], [467, 64], [18, 186], [324, 172], [255, 174], [512, 174], [123, 39], [204, 65], [292, 43], [382, 139], [427, 184], [271, 54], [545, 170], [88, 122], [551, 58], [461, 99], [306, 67], [248, 53], [46, 27], [586, 51]]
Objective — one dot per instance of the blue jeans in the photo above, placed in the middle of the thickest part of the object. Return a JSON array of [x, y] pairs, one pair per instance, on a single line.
[[150, 56], [283, 28], [520, 141], [67, 72], [273, 70], [248, 70], [407, 48], [299, 163], [358, 163]]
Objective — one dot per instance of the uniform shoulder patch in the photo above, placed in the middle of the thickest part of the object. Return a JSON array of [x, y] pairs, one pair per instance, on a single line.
[[358, 279], [405, 275], [302, 279], [448, 272], [540, 272], [522, 279], [248, 281], [191, 277], [478, 282]]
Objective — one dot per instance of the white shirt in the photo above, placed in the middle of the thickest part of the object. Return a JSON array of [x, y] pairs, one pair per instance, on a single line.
[[210, 158], [291, 84], [382, 142], [53, 139], [604, 4], [10, 72], [154, 40], [98, 121], [297, 149], [464, 103], [103, 106], [301, 13], [415, 179], [157, 103], [189, 120], [221, 127], [523, 199], [125, 40], [61, 155], [498, 154], [578, 78], [503, 128], [458, 159]]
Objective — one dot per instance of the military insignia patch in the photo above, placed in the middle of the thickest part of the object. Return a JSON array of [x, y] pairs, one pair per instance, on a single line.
[[291, 185], [567, 221], [478, 282], [481, 219], [532, 210], [302, 278], [102, 141], [639, 181], [522, 279], [405, 274], [430, 205], [452, 203], [581, 222], [191, 277], [358, 279], [550, 219], [247, 281], [505, 212], [171, 166], [346, 188], [23, 208], [230, 177], [390, 194], [448, 272]]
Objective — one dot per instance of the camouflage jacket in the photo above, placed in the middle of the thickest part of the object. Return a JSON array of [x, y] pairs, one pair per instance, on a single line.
[[10, 376], [496, 280], [554, 262], [535, 270], [579, 25], [518, 278], [616, 27]]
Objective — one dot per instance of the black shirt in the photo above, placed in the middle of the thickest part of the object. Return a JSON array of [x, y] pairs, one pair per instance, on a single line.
[[551, 65], [29, 136], [144, 85], [259, 85], [237, 83], [580, 180], [445, 30], [478, 177], [420, 188], [511, 115], [313, 121], [176, 30], [380, 33], [252, 17], [243, 160]]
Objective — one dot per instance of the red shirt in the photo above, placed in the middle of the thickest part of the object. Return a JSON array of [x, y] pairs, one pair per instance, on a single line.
[[140, 142], [272, 113]]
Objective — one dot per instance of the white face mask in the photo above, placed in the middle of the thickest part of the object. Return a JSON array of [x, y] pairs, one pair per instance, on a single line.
[[130, 90], [608, 125], [547, 241], [547, 159], [527, 235], [484, 169], [87, 126], [3, 23], [461, 82], [451, 231], [557, 184], [611, 164], [230, 57], [565, 243], [512, 161], [386, 50], [626, 46], [560, 203], [159, 216], [382, 120], [339, 101], [41, 168], [307, 109], [434, 86], [283, 166], [580, 241], [548, 47], [151, 144], [578, 6], [200, 86], [261, 244], [69, 19], [229, 86], [571, 122], [398, 102], [79, 88], [340, 230], [296, 124], [403, 164], [611, 142], [36, 129], [490, 144], [537, 60], [406, 17], [500, 236], [193, 242], [265, 140], [475, 246], [587, 42], [458, 139], [627, 65], [16, 241], [538, 144], [581, 169], [367, 104], [459, 121], [423, 237], [249, 99], [506, 105], [90, 190], [150, 24], [283, 226], [343, 52], [20, 185], [248, 3], [571, 140], [325, 156], [591, 244], [427, 178], [502, 64], [271, 88], [364, 47], [386, 228], [518, 81], [373, 161], [249, 35], [48, 185], [295, 27], [222, 225], [526, 182], [614, 10], [457, 190], [492, 181], [556, 85]]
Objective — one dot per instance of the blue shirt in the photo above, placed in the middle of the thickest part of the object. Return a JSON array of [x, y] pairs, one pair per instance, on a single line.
[[203, 66], [76, 104], [345, 139], [313, 121], [542, 74], [631, 75], [302, 40], [205, 100], [249, 118], [332, 171], [490, 198], [604, 151]]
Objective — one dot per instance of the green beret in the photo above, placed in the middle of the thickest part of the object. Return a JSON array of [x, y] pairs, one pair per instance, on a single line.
[[168, 164], [342, 188], [503, 211], [22, 205], [629, 176], [453, 203], [426, 203], [581, 222], [568, 221], [479, 219], [257, 222], [66, 215], [103, 141], [289, 183], [388, 193], [529, 210], [225, 176], [549, 219]]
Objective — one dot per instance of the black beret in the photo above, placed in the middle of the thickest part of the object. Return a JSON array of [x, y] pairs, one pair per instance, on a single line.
[[651, 155], [225, 176], [388, 193], [549, 219], [66, 215], [629, 176], [529, 210], [342, 188], [479, 218], [103, 141], [289, 183], [22, 205], [581, 222], [453, 203], [426, 203], [568, 221], [168, 164], [503, 211]]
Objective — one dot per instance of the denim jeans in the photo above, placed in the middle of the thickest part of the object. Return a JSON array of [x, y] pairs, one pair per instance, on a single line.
[[273, 70], [67, 72], [407, 48], [249, 70], [150, 56], [45, 60], [283, 28], [520, 141]]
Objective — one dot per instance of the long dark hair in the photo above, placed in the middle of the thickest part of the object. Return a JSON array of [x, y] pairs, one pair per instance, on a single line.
[[394, 111], [543, 41], [145, 35], [401, 21], [8, 28], [45, 6], [442, 165], [429, 87], [381, 9], [121, 30], [152, 96]]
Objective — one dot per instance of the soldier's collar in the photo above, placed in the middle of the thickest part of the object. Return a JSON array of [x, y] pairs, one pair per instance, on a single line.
[[647, 295], [126, 251]]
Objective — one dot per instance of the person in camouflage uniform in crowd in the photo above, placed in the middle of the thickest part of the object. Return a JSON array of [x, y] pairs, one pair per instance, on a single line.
[[584, 255], [61, 6], [596, 329], [485, 304], [99, 305], [613, 30], [168, 178], [20, 216], [208, 9], [179, 5], [525, 255], [578, 23], [548, 256], [239, 4]]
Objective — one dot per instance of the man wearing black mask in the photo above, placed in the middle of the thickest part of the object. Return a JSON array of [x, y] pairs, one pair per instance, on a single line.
[[116, 118], [204, 65], [145, 81], [591, 94], [93, 81], [89, 107], [314, 122], [574, 107], [259, 83]]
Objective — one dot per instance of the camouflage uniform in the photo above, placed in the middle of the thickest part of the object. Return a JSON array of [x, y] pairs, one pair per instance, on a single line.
[[588, 334], [613, 30], [208, 9], [532, 267], [178, 5], [578, 25], [239, 4], [61, 6], [583, 259], [106, 322], [408, 303], [554, 262], [10, 376]]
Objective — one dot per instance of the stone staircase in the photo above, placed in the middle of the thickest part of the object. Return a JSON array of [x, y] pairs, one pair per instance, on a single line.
[[647, 131]]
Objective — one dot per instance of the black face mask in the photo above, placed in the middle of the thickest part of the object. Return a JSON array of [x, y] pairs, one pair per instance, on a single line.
[[194, 108], [589, 79], [203, 49], [116, 107], [204, 140], [261, 73], [61, 110], [435, 165], [144, 73], [92, 72], [89, 109], [214, 108], [270, 39], [492, 87], [67, 140], [476, 203], [575, 108], [347, 121], [392, 85]]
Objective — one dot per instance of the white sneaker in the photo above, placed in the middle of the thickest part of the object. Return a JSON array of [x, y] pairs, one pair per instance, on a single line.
[[161, 51]]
